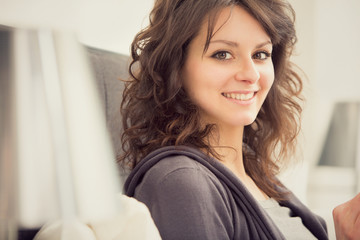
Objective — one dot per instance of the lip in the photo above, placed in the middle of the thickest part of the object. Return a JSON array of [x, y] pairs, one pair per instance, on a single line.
[[243, 91]]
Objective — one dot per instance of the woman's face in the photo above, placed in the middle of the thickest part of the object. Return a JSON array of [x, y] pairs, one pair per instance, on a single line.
[[230, 81]]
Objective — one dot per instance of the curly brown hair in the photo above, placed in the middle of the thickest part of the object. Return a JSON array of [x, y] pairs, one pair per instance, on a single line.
[[157, 111]]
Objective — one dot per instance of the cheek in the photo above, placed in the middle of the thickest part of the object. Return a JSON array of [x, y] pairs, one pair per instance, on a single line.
[[201, 78], [268, 77]]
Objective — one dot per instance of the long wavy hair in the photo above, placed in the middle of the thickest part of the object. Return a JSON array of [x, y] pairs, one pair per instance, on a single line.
[[157, 111]]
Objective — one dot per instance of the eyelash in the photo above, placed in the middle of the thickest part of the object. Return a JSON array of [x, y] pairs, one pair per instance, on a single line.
[[267, 55], [216, 55]]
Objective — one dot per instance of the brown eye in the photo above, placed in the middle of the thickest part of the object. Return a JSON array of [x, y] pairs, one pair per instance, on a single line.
[[261, 55], [222, 55]]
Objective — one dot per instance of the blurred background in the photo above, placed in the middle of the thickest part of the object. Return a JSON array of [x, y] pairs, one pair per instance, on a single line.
[[328, 50]]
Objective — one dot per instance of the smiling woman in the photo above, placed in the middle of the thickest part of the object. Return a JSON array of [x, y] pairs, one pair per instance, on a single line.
[[204, 109]]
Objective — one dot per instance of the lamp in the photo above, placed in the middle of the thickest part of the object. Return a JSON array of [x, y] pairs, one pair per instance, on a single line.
[[342, 144], [55, 153], [335, 178]]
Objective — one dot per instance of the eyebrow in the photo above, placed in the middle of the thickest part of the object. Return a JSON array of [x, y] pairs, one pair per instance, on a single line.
[[235, 44], [264, 44]]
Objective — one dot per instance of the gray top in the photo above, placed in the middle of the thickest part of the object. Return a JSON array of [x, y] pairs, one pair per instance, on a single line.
[[193, 196], [291, 226]]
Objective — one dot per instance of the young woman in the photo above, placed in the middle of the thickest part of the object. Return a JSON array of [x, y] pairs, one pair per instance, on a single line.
[[210, 113]]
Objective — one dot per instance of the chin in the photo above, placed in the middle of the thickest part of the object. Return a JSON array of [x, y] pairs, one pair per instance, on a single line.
[[244, 121]]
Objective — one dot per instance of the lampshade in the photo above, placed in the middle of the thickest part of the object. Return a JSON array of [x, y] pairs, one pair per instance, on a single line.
[[341, 147]]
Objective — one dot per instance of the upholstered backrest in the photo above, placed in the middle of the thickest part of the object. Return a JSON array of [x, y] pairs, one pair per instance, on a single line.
[[109, 68]]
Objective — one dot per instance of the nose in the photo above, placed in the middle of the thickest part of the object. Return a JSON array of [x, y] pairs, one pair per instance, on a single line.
[[247, 71]]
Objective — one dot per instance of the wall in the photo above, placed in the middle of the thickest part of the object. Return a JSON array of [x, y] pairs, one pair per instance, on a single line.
[[112, 24]]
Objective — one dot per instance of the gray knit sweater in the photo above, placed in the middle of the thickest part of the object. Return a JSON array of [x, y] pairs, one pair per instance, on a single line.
[[193, 196]]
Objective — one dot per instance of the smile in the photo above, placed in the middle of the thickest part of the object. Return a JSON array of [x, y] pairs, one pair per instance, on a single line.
[[239, 96]]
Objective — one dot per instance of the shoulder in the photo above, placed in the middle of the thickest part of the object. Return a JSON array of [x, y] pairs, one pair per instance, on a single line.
[[175, 163], [178, 183], [180, 171], [182, 187]]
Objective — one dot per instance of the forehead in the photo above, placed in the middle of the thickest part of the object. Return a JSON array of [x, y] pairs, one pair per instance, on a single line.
[[233, 23]]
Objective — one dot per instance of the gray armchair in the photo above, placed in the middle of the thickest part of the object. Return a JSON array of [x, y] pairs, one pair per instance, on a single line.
[[108, 69]]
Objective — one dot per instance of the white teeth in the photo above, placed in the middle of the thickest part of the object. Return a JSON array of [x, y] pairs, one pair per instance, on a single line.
[[239, 96]]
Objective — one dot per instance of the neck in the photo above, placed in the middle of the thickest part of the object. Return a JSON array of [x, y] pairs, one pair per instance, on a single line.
[[228, 144]]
